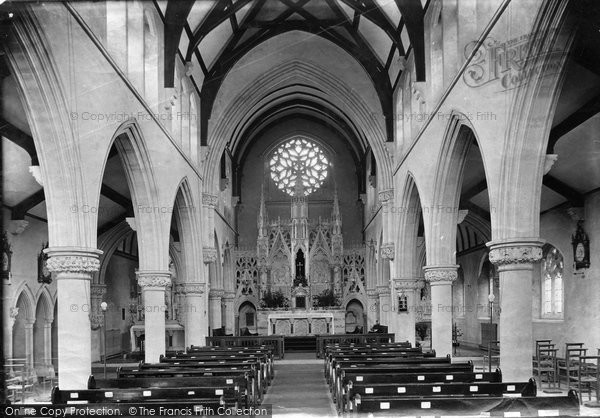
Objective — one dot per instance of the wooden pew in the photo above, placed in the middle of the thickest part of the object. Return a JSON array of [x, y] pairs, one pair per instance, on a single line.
[[273, 342], [240, 383], [195, 372], [265, 357], [331, 358], [359, 339], [252, 365], [401, 362], [443, 389], [226, 396], [340, 380], [467, 405]]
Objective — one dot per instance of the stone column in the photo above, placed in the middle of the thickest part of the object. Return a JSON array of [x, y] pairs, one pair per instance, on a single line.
[[73, 269], [214, 302], [209, 204], [337, 280], [209, 255], [403, 323], [228, 314], [47, 343], [385, 305], [97, 292], [515, 260], [8, 334], [29, 344], [373, 308], [153, 284], [196, 324], [440, 279]]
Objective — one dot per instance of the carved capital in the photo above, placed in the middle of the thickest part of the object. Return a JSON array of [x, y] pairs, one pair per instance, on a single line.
[[228, 295], [383, 290], [209, 255], [193, 288], [157, 279], [209, 200], [386, 196], [517, 254], [403, 284], [216, 293], [16, 227], [372, 293], [14, 312], [441, 274], [97, 290], [73, 260], [388, 251]]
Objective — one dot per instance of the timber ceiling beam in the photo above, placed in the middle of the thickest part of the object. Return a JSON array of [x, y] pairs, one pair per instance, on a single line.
[[591, 108], [414, 15], [19, 138], [175, 19]]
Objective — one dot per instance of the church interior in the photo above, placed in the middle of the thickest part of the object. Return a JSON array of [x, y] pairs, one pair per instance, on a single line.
[[287, 174]]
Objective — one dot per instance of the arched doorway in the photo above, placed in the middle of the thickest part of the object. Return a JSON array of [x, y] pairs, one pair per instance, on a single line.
[[247, 318], [355, 317]]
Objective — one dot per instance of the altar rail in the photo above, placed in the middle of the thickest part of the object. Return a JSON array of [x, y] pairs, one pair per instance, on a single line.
[[274, 342], [324, 340]]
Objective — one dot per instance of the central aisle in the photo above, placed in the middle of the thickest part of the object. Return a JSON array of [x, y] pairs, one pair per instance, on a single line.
[[299, 388]]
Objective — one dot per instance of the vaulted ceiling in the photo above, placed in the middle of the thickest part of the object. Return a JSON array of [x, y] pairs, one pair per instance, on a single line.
[[215, 34]]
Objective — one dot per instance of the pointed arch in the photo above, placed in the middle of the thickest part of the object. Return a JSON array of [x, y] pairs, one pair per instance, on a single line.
[[135, 158], [410, 216], [186, 217], [458, 139], [108, 242], [258, 96], [45, 302], [25, 300]]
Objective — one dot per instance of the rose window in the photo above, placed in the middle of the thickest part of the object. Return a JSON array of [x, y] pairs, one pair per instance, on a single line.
[[298, 160]]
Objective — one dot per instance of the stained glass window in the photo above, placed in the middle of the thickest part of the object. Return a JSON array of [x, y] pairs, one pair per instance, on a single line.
[[300, 159], [552, 283]]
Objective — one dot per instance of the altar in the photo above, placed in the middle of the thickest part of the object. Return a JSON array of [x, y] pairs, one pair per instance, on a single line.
[[301, 322]]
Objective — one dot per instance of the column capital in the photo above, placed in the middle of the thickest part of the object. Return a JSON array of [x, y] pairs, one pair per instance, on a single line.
[[73, 259], [97, 289], [209, 255], [153, 279], [383, 289], [372, 293], [441, 274], [386, 196], [406, 284], [210, 199], [229, 294], [388, 250], [216, 293], [516, 253], [193, 288]]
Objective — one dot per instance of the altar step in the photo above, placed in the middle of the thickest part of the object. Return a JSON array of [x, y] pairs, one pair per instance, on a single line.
[[301, 343]]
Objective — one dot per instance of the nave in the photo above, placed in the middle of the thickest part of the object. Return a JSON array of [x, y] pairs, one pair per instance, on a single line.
[[179, 171]]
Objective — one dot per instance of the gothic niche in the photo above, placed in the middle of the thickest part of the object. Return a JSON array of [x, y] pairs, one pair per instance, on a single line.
[[300, 279]]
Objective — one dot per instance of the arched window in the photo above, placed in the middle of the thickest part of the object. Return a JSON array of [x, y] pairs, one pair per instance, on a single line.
[[552, 283]]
